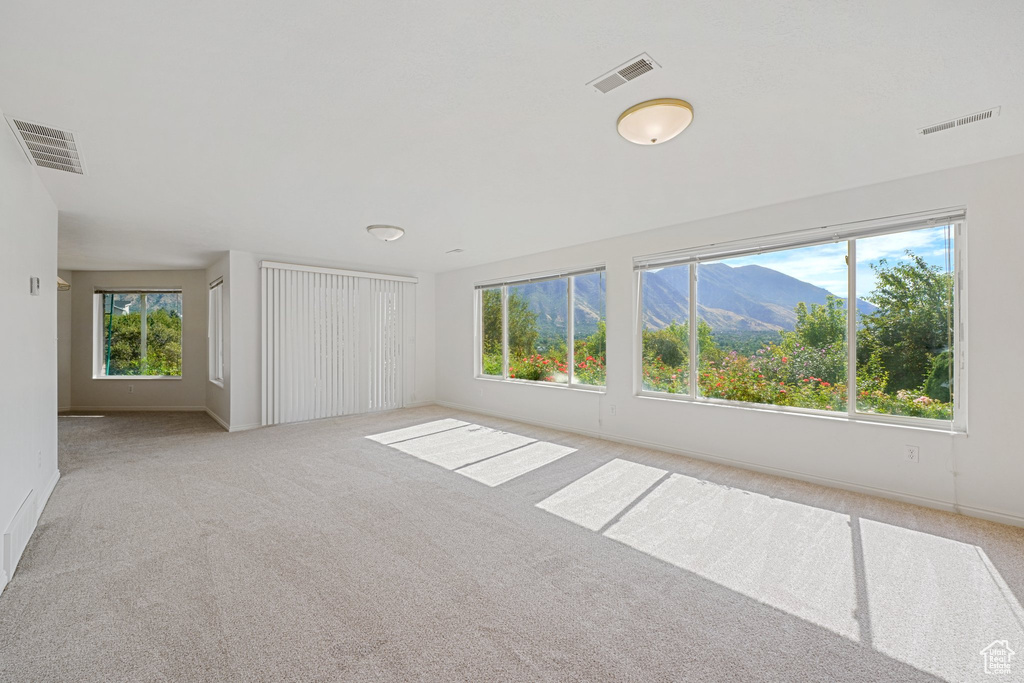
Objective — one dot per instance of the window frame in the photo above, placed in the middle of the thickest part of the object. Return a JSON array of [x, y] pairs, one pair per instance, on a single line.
[[503, 285], [849, 233], [98, 370], [215, 332]]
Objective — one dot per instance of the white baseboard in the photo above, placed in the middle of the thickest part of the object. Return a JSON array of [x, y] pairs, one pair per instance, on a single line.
[[947, 506], [3, 580], [991, 515], [134, 409], [218, 420], [44, 495], [243, 428], [419, 404]]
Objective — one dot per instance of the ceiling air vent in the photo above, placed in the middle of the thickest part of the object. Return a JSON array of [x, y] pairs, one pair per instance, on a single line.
[[48, 147], [624, 73], [962, 121]]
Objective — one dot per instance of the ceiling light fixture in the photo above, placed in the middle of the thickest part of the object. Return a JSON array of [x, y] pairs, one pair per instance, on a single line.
[[655, 121], [385, 233]]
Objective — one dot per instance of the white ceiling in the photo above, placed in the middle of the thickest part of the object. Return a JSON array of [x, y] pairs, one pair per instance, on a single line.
[[286, 128]]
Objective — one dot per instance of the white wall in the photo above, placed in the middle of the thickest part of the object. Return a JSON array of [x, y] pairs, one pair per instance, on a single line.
[[989, 461], [218, 398], [28, 345], [187, 393], [64, 343], [246, 354]]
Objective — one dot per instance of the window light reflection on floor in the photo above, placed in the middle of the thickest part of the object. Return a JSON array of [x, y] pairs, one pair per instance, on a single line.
[[925, 600]]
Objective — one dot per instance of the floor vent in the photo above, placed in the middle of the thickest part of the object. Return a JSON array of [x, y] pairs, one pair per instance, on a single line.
[[17, 534], [962, 121], [624, 73], [48, 147]]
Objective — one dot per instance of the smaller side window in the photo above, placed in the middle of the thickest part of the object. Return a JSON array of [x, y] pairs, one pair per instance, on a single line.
[[216, 332]]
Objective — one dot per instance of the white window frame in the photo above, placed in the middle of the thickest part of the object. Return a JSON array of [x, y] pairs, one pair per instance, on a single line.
[[569, 277], [99, 364], [849, 233], [215, 332]]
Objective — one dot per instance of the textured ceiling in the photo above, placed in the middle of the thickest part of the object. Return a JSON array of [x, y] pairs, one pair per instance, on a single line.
[[285, 128]]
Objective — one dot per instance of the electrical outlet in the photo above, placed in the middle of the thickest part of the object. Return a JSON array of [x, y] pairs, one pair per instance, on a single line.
[[912, 453], [611, 410], [131, 388]]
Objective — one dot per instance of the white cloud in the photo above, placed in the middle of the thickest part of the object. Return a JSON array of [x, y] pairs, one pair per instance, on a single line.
[[824, 265]]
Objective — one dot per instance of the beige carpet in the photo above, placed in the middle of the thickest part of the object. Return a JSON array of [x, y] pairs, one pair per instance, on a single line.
[[465, 547]]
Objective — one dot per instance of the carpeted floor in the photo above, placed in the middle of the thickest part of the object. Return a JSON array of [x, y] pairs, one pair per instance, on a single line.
[[465, 547]]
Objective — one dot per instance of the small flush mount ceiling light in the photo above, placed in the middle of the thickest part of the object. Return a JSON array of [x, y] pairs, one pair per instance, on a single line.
[[655, 121], [385, 233]]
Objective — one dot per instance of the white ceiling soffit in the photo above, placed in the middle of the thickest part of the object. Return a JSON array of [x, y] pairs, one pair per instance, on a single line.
[[48, 147], [624, 73], [962, 121]]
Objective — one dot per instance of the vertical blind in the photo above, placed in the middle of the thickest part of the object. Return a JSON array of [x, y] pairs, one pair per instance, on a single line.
[[334, 342]]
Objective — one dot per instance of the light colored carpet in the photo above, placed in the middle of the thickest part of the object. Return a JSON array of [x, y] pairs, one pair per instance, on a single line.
[[472, 548]]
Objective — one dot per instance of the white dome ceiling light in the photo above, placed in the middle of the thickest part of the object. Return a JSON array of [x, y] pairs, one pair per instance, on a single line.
[[385, 233], [655, 121]]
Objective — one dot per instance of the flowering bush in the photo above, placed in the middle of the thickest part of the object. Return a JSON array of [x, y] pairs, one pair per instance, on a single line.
[[659, 376], [590, 370], [538, 368]]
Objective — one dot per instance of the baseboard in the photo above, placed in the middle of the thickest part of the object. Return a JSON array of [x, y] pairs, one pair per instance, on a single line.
[[947, 506], [3, 580], [63, 409], [420, 404], [991, 515], [243, 428], [44, 496], [216, 418], [135, 409]]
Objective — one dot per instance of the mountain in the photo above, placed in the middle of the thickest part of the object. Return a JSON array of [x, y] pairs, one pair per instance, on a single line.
[[731, 299]]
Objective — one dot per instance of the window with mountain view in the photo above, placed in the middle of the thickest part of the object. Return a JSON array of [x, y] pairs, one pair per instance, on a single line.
[[529, 323], [589, 329], [491, 332], [666, 330], [140, 334], [773, 326]]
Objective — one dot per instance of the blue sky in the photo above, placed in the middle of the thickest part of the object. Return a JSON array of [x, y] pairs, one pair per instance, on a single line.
[[825, 266]]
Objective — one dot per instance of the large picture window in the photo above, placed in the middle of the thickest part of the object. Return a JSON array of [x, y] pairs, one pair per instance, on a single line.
[[772, 323], [139, 333], [545, 329]]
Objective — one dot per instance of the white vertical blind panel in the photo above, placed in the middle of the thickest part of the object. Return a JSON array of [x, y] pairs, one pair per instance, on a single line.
[[334, 344]]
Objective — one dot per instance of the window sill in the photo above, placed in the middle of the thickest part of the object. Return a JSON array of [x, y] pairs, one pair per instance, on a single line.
[[217, 382], [551, 385], [144, 378], [922, 424]]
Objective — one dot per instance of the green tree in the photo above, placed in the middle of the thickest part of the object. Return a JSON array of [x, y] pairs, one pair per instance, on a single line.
[[522, 326], [492, 321], [823, 325], [522, 329], [672, 344], [596, 344], [163, 343], [913, 323]]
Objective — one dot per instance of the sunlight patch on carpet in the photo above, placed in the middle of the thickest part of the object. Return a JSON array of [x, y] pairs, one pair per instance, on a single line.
[[594, 499], [508, 466]]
